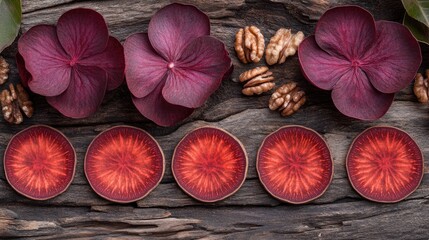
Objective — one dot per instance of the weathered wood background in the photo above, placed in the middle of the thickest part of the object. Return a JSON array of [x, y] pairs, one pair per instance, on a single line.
[[167, 212]]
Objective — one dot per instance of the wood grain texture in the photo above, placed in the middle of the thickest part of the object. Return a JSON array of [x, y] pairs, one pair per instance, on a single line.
[[168, 213]]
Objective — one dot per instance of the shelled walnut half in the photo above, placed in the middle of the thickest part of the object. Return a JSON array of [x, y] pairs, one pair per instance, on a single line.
[[13, 101], [287, 99], [421, 89], [249, 44], [258, 80], [282, 45], [4, 70]]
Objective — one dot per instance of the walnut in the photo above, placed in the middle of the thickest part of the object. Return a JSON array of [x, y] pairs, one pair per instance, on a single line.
[[12, 101], [282, 45], [258, 80], [4, 70], [24, 101], [249, 44], [421, 89], [287, 99], [10, 108]]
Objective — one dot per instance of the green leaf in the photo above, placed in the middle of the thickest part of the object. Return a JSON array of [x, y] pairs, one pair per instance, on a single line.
[[10, 21], [418, 9], [418, 29]]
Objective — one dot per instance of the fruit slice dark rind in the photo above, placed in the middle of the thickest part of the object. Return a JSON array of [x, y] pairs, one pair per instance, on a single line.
[[124, 164], [39, 162], [384, 164], [294, 164], [205, 180]]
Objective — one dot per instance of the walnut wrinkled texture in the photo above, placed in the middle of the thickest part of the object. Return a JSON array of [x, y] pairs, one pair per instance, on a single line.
[[249, 44], [287, 99], [13, 101], [258, 80], [24, 101], [4, 70], [282, 45], [421, 89]]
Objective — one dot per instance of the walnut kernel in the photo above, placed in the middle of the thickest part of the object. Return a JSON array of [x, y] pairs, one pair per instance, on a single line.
[[258, 80], [249, 44], [4, 70], [421, 89], [12, 100], [24, 101], [287, 99], [282, 45]]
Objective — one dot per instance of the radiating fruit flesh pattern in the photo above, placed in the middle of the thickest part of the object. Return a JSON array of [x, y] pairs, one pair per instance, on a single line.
[[209, 164], [294, 164], [39, 162], [384, 164], [123, 164]]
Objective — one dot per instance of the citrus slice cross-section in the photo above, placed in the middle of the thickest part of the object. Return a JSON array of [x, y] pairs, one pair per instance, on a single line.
[[384, 164], [123, 164], [295, 165], [209, 164], [39, 162]]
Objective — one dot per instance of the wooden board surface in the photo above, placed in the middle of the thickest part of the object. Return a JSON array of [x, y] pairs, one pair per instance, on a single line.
[[168, 213]]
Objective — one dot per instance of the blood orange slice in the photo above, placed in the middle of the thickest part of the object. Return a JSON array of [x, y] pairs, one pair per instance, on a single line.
[[294, 164], [209, 164], [123, 164], [39, 162], [384, 164]]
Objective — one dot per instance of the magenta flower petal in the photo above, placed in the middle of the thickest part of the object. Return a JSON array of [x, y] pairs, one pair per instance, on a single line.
[[393, 61], [363, 62], [82, 33], [155, 108], [144, 67], [320, 68], [346, 32], [45, 60], [23, 73], [110, 60], [198, 72], [84, 95], [72, 63], [228, 73], [173, 27], [355, 97], [176, 66]]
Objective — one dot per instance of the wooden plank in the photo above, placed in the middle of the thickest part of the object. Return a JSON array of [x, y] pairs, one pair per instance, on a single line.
[[345, 220], [168, 213], [252, 125], [31, 6], [133, 14], [170, 195]]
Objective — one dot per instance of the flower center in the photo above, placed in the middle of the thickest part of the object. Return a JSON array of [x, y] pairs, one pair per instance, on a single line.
[[170, 65], [73, 61], [355, 63]]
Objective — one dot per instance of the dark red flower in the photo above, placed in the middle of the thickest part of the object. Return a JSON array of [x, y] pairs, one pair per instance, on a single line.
[[362, 61], [176, 66], [72, 63]]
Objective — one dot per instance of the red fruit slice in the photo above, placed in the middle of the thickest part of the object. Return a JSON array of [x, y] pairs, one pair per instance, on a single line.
[[124, 164], [384, 164], [295, 165], [209, 164], [39, 162]]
